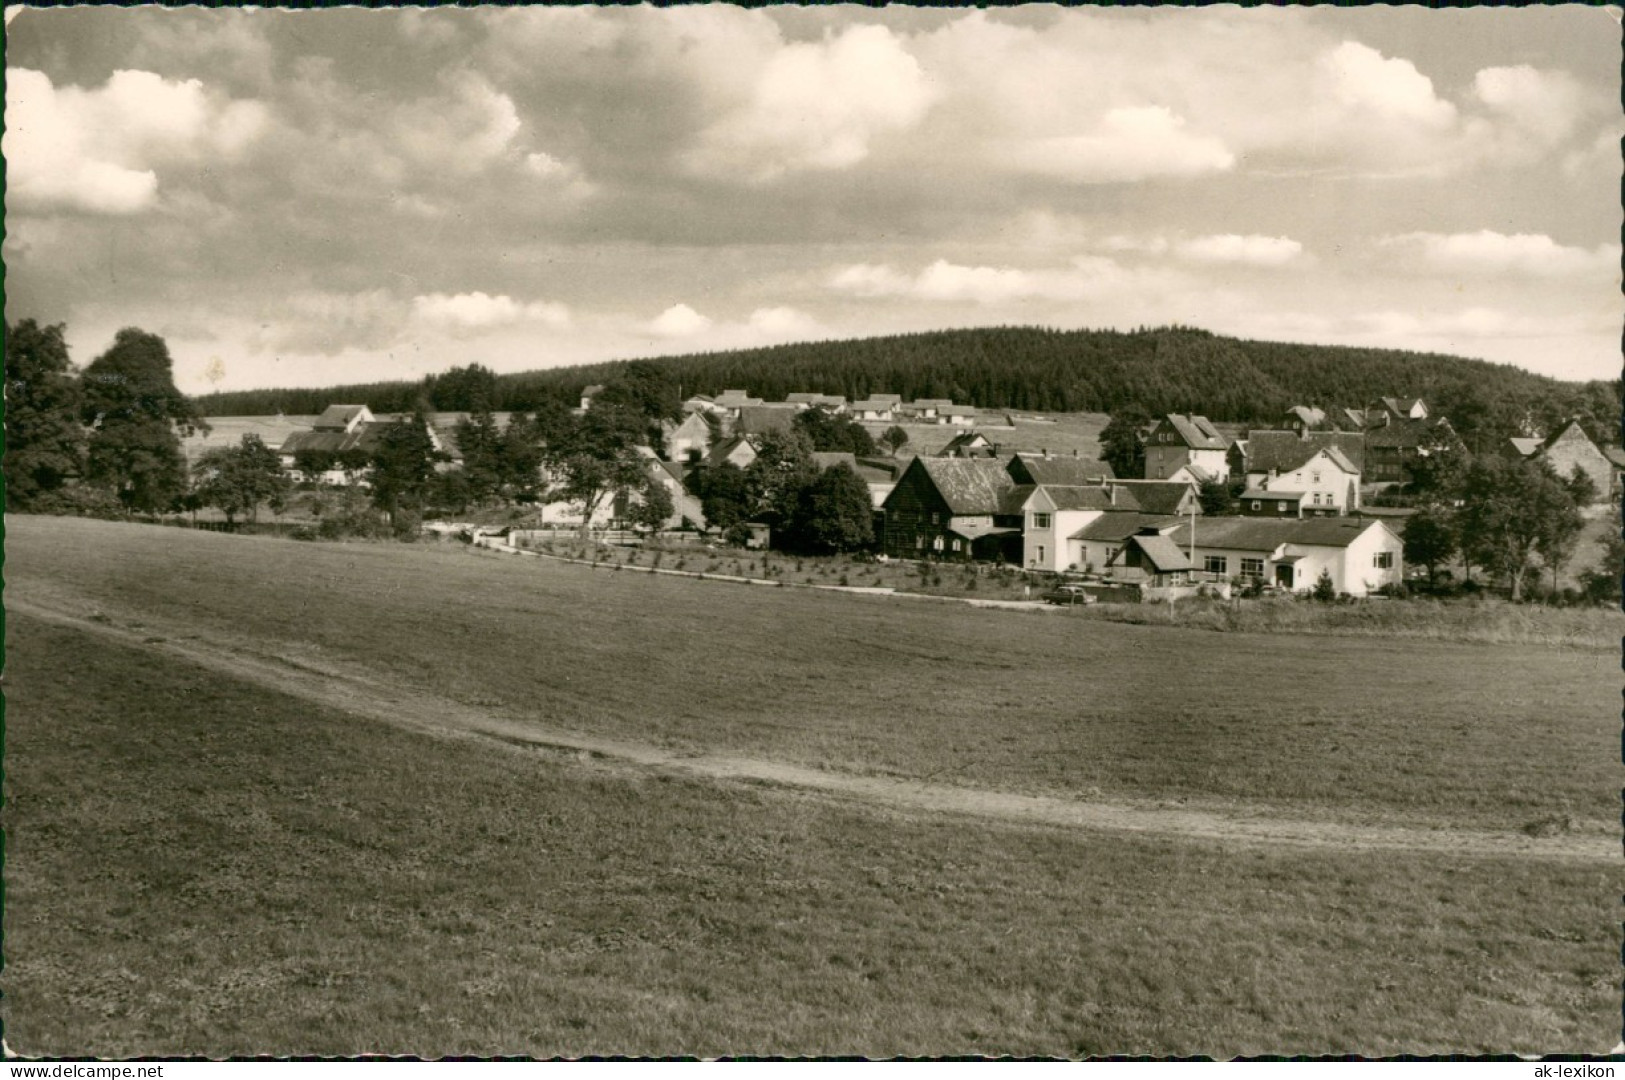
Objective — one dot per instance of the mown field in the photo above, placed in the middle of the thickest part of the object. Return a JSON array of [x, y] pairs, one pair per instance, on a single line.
[[1479, 735], [199, 867]]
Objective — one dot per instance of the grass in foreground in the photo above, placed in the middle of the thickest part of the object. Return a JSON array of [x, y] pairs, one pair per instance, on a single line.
[[199, 867], [1357, 728]]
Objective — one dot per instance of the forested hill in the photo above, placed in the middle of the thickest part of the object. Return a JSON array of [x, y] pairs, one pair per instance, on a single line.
[[1173, 369]]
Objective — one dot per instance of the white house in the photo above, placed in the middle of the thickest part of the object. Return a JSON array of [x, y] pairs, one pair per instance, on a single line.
[[1051, 516], [1328, 481]]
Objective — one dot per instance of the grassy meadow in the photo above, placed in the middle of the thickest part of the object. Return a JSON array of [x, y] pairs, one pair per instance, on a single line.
[[196, 866], [1371, 728]]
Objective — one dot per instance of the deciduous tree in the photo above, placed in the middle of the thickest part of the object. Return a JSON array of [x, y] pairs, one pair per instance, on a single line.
[[835, 513], [1430, 539], [45, 441], [1122, 442], [137, 416], [237, 479], [1510, 511]]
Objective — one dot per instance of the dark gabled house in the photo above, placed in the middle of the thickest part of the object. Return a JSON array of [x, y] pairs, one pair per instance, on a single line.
[[969, 444], [1058, 471], [954, 508], [1284, 451], [1393, 446], [1177, 441]]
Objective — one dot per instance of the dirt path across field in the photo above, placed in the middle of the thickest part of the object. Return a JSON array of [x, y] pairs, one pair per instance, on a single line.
[[361, 693]]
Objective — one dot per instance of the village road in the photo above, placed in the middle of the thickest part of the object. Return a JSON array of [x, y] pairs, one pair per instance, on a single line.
[[348, 688]]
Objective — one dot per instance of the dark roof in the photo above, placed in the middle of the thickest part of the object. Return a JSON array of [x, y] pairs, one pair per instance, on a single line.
[[1079, 496], [719, 453], [1307, 414], [1037, 469], [1164, 556], [1285, 451], [969, 485], [1117, 525], [1255, 494], [1197, 432], [967, 442], [364, 437], [1403, 433], [337, 417], [1013, 500], [759, 419], [1614, 454], [1151, 496]]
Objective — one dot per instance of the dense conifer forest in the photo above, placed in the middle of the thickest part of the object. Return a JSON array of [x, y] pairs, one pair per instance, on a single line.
[[1168, 369]]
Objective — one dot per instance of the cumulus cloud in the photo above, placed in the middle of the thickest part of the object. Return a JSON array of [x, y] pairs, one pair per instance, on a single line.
[[1491, 253], [476, 311], [1246, 250], [1362, 78], [782, 322], [679, 321], [464, 128], [100, 150], [1128, 144], [1087, 277], [817, 106]]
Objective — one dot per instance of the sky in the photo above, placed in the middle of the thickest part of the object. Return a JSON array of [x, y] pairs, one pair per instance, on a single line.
[[309, 198]]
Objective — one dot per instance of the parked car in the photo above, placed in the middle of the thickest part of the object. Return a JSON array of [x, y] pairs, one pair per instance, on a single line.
[[1068, 596]]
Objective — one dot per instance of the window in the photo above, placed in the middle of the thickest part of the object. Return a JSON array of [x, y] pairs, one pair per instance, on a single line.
[[1216, 564], [1040, 521], [919, 543], [1040, 553], [934, 517], [1316, 498], [1281, 506], [936, 544], [1252, 568], [1256, 504], [1111, 553], [1314, 478], [956, 545], [1383, 560]]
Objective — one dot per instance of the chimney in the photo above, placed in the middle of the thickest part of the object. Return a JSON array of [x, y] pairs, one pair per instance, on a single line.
[[1045, 451], [1074, 451]]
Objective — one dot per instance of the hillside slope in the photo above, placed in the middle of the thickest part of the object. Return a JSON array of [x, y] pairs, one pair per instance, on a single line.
[[1172, 369]]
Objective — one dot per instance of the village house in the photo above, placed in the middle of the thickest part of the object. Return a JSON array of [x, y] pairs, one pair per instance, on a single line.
[[1315, 469], [1569, 449], [736, 450], [878, 408], [833, 402], [1052, 514], [352, 431], [1396, 443], [587, 394], [731, 401], [969, 444], [760, 419], [878, 474], [1043, 468], [954, 508], [1255, 502], [1150, 558], [688, 440], [1177, 441], [1359, 555], [1387, 409]]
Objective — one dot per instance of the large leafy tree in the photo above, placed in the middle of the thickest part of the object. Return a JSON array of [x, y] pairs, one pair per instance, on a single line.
[[1510, 511], [782, 469], [724, 494], [831, 432], [1122, 442], [45, 441], [594, 457], [403, 466], [1430, 539], [237, 479], [137, 416], [462, 389], [836, 513]]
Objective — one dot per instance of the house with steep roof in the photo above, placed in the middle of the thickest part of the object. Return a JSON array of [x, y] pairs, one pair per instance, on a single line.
[[878, 474], [736, 450], [1571, 448], [954, 508], [1178, 440], [1395, 444], [1282, 451], [882, 408], [1051, 514], [1092, 547], [1317, 470], [587, 394], [1386, 409], [1301, 418], [346, 435], [1156, 496], [1151, 558], [688, 440], [731, 401]]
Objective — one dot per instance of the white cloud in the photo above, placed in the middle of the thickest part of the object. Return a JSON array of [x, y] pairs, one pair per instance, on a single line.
[[817, 106], [1542, 102], [564, 177], [1247, 250], [1088, 277], [1362, 78], [477, 311], [783, 322], [1126, 145], [99, 150], [464, 129], [679, 321], [1491, 253]]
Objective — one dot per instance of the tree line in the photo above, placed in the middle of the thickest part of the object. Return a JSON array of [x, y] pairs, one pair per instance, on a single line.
[[1159, 370]]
